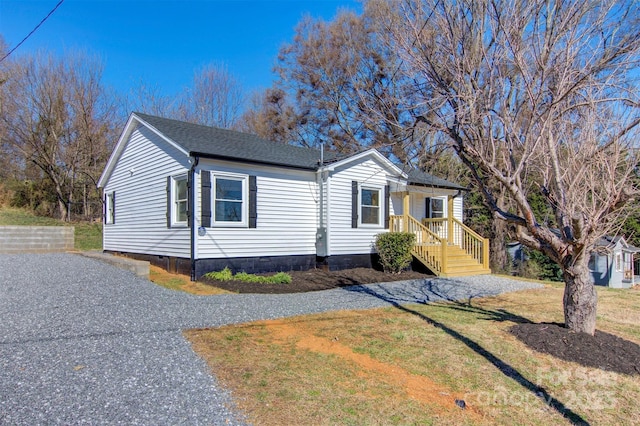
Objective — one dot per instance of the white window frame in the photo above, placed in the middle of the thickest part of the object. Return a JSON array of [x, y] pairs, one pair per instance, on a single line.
[[380, 206], [431, 210], [244, 222], [174, 200], [108, 220]]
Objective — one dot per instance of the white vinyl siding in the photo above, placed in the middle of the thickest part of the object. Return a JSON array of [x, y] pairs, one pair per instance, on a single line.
[[343, 239], [287, 215], [287, 205], [140, 181], [458, 208]]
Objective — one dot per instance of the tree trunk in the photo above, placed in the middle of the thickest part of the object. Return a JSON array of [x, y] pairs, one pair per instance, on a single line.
[[62, 206], [498, 258], [580, 299], [85, 204], [62, 210]]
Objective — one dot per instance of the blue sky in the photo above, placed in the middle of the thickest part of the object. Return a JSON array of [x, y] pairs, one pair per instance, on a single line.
[[162, 42]]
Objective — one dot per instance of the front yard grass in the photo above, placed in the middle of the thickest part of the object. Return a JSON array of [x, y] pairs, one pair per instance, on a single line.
[[417, 365]]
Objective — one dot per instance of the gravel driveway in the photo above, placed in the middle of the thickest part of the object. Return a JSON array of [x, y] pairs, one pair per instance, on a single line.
[[83, 342]]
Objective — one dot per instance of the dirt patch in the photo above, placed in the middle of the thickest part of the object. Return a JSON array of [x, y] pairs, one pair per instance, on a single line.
[[181, 282], [602, 350], [417, 387], [317, 279]]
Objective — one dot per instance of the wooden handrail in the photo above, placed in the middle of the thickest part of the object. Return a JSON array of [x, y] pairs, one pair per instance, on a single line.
[[472, 243], [432, 241], [430, 248], [468, 230]]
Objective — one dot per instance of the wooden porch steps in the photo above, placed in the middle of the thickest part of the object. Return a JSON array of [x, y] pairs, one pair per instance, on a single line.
[[446, 246], [460, 264]]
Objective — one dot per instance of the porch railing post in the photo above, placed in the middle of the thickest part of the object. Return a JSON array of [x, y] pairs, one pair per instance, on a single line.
[[450, 219], [443, 259], [405, 211], [485, 253]]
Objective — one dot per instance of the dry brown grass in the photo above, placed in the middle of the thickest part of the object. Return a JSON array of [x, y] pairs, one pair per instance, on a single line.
[[182, 283], [392, 366]]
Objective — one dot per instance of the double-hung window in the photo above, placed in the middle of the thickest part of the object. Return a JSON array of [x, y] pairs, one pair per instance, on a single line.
[[110, 208], [435, 208], [370, 206], [180, 201], [229, 200]]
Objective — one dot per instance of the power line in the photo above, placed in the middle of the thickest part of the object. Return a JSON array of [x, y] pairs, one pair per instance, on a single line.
[[32, 31]]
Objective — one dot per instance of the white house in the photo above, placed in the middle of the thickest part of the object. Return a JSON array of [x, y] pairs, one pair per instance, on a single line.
[[195, 199]]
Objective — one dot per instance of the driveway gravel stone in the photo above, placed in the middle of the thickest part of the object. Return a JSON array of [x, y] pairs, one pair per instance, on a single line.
[[83, 342]]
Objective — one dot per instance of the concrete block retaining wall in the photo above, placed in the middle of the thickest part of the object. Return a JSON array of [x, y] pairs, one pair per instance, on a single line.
[[36, 239]]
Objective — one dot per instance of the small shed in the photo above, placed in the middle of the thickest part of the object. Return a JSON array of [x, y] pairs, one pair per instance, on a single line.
[[612, 263]]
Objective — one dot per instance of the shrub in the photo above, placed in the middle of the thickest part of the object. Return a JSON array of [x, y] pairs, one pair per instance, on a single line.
[[541, 267], [281, 278], [227, 275], [224, 275], [394, 249]]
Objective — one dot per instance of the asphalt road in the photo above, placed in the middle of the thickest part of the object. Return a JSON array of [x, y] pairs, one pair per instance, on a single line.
[[83, 342]]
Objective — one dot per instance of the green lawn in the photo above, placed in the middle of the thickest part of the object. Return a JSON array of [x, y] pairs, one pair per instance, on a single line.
[[88, 235], [410, 365]]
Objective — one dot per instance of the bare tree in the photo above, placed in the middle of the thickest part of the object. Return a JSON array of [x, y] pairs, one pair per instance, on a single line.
[[534, 92], [340, 84], [8, 158], [335, 73], [59, 119], [215, 99], [271, 116], [151, 100]]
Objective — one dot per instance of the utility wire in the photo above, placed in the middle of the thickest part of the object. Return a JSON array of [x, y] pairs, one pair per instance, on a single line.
[[32, 31]]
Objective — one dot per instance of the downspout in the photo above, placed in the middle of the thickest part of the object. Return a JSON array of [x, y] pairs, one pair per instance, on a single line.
[[192, 215], [320, 170], [321, 233]]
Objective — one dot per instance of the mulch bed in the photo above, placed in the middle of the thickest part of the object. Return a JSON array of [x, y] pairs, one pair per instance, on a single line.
[[317, 279], [603, 350]]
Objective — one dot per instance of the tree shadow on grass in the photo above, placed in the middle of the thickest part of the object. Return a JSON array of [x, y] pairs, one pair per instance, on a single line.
[[432, 291]]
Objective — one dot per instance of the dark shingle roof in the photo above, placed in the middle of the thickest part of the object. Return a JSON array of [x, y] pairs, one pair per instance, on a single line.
[[416, 177], [213, 142], [608, 242]]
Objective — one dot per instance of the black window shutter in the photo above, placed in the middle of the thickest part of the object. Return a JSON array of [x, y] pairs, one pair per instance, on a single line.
[[113, 207], [104, 209], [386, 206], [427, 208], [253, 202], [354, 204], [168, 201], [205, 195], [189, 197]]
